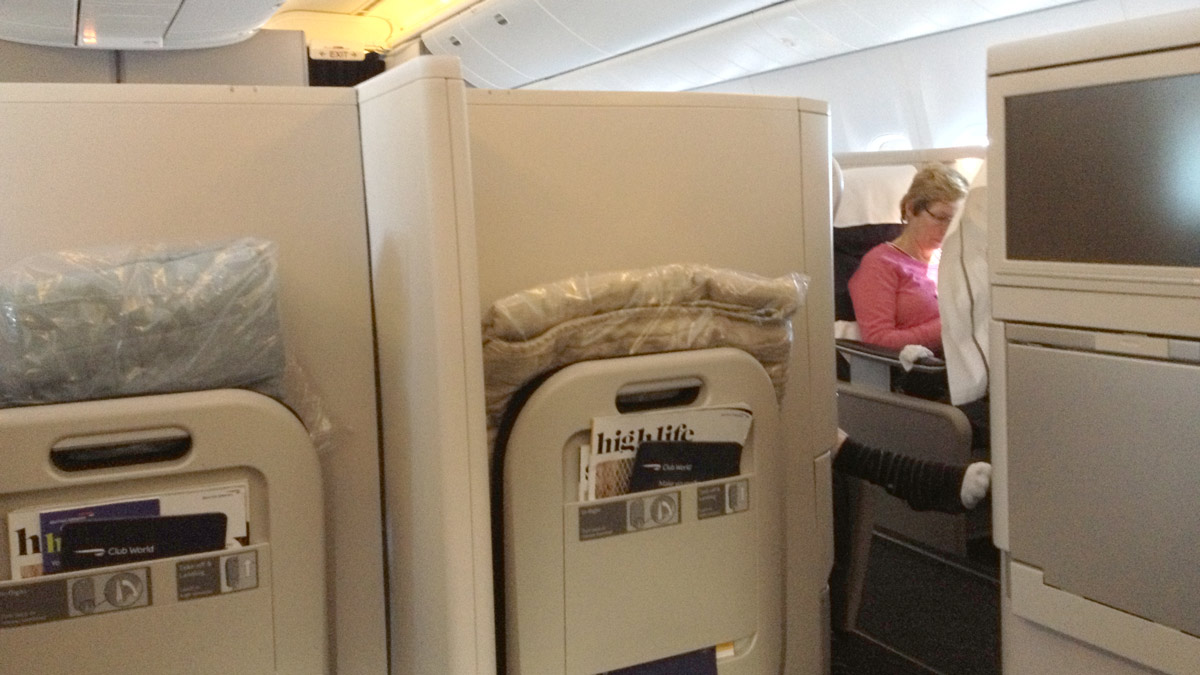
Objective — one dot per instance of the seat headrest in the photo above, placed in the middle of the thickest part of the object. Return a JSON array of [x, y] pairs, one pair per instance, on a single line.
[[872, 194]]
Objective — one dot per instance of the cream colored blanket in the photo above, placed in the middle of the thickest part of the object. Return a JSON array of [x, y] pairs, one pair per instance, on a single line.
[[660, 309]]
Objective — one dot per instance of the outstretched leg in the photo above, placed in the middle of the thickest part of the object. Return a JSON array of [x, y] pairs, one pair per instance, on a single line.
[[925, 485]]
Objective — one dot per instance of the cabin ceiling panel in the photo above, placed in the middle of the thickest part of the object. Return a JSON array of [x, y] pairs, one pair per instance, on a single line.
[[754, 43], [376, 25], [662, 76], [200, 24], [848, 29], [546, 38], [616, 26], [949, 14], [337, 6], [480, 66], [203, 16], [767, 38], [897, 19], [523, 35], [929, 90], [1013, 7], [511, 43], [132, 24], [1136, 9], [809, 30], [124, 25], [371, 32], [669, 69], [605, 80], [782, 31], [746, 53], [666, 74], [50, 22]]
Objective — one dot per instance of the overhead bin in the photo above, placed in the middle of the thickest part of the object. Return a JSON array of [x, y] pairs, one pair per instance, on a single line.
[[42, 23], [620, 26], [100, 24], [480, 66], [508, 43], [522, 35], [786, 34]]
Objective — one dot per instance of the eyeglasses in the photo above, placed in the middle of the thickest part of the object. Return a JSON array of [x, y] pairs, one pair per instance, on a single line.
[[943, 219]]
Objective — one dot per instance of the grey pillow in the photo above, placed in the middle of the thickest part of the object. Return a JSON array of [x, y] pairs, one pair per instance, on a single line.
[[121, 322]]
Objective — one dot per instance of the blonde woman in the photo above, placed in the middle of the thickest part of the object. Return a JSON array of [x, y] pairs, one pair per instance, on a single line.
[[894, 290]]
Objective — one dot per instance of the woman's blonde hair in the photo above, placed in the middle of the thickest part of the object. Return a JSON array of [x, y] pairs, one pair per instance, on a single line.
[[933, 183]]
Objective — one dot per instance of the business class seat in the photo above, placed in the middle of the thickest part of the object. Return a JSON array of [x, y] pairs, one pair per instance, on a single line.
[[874, 409]]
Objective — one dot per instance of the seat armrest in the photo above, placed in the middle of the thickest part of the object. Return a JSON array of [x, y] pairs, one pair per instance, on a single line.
[[858, 349], [872, 365]]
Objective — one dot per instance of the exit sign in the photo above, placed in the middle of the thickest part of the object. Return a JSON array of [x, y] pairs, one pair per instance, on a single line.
[[336, 52]]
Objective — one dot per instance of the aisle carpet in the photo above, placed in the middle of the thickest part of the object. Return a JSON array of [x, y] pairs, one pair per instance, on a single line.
[[923, 614]]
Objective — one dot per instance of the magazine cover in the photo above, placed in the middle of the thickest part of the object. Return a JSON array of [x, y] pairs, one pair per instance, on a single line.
[[616, 438], [35, 535], [660, 464]]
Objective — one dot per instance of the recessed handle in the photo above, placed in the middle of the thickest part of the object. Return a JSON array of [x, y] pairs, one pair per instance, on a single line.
[[673, 393], [113, 450]]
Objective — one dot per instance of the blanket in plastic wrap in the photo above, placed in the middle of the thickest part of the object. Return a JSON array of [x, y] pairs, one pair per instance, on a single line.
[[659, 309], [121, 322]]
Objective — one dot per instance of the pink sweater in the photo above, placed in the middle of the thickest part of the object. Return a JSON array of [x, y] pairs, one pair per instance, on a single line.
[[895, 300]]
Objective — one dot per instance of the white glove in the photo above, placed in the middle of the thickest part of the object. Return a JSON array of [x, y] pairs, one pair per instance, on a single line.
[[913, 353], [976, 482]]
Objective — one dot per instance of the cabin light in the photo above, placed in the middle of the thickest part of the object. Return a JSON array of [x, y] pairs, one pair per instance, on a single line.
[[89, 34]]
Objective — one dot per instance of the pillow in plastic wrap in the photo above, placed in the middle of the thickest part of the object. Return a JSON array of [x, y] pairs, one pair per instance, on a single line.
[[645, 311], [120, 322]]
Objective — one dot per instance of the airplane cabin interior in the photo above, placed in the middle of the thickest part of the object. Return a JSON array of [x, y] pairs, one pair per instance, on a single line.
[[524, 337]]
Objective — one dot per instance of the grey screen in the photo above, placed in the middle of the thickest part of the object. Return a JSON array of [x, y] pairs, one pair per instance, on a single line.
[[1105, 174]]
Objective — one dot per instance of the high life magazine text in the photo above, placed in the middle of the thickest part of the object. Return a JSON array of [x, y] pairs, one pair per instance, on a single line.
[[606, 464]]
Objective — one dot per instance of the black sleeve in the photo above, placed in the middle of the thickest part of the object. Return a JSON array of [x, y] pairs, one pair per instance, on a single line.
[[925, 485]]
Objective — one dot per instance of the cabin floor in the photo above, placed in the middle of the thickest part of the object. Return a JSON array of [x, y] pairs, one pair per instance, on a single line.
[[924, 613]]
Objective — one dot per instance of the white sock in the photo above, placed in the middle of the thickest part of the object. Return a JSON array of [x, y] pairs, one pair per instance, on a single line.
[[976, 482]]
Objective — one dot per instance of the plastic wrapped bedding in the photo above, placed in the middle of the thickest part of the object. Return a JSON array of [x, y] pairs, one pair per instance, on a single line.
[[660, 309], [121, 322]]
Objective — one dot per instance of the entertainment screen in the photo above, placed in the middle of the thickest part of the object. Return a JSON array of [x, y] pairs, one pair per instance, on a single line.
[[1105, 174]]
